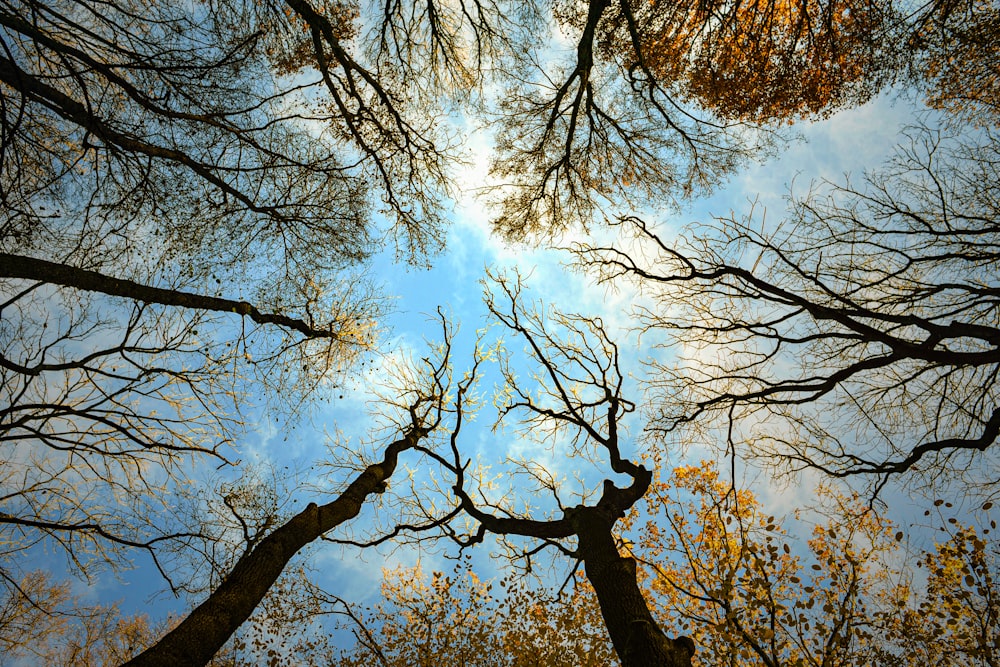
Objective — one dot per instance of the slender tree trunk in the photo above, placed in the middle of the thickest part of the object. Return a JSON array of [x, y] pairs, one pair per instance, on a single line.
[[212, 623], [636, 637], [31, 268]]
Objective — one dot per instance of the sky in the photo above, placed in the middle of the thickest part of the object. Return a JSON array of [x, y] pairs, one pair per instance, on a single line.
[[300, 455], [847, 143]]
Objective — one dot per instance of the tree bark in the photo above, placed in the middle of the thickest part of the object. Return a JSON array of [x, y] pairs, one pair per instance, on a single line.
[[637, 638], [30, 268], [212, 623]]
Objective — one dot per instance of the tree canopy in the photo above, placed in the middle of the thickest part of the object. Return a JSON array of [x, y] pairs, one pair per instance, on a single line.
[[193, 198], [860, 334], [851, 591]]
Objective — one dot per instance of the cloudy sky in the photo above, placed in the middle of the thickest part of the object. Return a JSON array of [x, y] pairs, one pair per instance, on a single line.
[[847, 143]]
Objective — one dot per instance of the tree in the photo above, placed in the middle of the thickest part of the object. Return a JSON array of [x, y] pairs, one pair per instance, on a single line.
[[657, 101], [429, 425], [858, 337], [858, 592], [767, 60], [187, 203], [776, 61], [458, 619], [955, 619], [92, 404], [573, 403], [150, 155], [713, 563], [24, 622], [203, 632], [950, 33], [41, 619], [600, 128], [43, 623], [183, 227], [138, 114], [723, 569]]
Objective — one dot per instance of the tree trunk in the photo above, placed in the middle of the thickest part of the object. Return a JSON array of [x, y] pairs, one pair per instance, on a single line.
[[31, 268], [213, 622], [636, 637]]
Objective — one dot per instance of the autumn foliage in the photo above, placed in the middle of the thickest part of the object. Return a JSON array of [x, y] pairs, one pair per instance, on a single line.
[[725, 571], [760, 60], [960, 60], [728, 573], [193, 195], [43, 622], [718, 568], [459, 619]]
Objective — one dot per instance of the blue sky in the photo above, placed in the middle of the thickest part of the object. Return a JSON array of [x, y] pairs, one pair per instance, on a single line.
[[848, 142]]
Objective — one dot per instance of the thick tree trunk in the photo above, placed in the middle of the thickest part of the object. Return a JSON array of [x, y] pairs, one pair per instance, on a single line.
[[209, 626], [636, 637]]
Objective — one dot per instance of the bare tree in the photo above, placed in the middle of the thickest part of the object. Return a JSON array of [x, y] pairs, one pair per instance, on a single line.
[[162, 118], [658, 101], [600, 127], [101, 416], [186, 202], [859, 336], [204, 631], [571, 401]]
